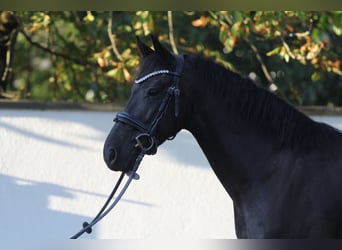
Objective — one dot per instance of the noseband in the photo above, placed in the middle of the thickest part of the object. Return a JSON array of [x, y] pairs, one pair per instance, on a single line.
[[145, 140]]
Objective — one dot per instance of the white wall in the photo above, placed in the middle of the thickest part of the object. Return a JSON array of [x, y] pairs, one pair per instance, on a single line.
[[52, 178]]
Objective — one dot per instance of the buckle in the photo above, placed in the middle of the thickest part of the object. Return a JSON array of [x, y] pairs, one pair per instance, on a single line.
[[144, 141]]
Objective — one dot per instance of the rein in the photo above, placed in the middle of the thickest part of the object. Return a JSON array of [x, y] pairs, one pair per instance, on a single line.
[[145, 140], [87, 227]]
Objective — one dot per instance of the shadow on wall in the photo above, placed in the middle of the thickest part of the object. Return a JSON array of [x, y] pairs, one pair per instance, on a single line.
[[37, 136], [101, 122], [185, 150], [25, 213]]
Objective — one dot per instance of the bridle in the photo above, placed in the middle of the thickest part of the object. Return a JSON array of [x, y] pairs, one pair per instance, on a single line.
[[145, 140]]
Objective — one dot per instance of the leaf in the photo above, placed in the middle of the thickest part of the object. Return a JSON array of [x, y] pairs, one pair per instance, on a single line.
[[127, 75], [337, 71], [223, 34], [289, 28], [274, 51], [316, 76], [68, 86], [113, 63], [119, 76], [236, 28], [201, 22], [132, 62], [126, 53], [337, 30], [101, 62], [112, 72], [89, 17]]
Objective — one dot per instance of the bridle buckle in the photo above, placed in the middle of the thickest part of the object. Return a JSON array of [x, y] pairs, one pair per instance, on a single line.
[[144, 141]]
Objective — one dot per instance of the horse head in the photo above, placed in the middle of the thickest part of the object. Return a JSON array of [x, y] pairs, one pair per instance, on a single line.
[[152, 113]]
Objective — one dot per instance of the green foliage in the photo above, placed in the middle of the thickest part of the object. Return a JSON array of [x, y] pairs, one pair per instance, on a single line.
[[92, 56]]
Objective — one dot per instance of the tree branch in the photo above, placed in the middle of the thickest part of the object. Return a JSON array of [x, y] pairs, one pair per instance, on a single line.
[[113, 36], [287, 48], [47, 49], [261, 61], [272, 86], [171, 35]]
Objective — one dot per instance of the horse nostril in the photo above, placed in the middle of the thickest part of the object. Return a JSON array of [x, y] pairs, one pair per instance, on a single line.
[[112, 156]]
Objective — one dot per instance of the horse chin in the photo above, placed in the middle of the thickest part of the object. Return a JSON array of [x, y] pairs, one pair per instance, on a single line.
[[153, 150], [156, 144]]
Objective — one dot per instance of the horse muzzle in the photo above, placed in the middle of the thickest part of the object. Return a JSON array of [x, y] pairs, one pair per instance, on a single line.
[[120, 158]]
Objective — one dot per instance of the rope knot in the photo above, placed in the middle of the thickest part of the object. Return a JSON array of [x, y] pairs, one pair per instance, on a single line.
[[87, 227]]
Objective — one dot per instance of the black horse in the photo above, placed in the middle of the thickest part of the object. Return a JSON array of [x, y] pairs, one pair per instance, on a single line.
[[282, 170]]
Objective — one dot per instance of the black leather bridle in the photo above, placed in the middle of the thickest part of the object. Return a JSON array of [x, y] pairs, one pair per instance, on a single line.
[[146, 140]]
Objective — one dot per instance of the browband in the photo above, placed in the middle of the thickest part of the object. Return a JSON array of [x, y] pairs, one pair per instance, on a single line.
[[155, 73]]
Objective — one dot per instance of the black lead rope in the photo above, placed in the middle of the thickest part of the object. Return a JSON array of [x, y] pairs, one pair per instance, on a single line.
[[87, 227]]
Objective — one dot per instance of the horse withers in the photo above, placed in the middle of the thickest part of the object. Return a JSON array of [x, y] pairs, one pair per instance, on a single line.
[[282, 170]]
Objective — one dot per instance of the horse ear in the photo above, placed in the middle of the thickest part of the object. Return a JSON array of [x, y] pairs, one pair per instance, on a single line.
[[161, 51], [144, 49]]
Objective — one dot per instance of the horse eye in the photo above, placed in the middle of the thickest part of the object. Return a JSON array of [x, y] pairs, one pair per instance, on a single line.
[[152, 92]]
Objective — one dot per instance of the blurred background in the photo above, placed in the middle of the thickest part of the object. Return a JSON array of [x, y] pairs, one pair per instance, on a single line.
[[52, 174], [91, 56]]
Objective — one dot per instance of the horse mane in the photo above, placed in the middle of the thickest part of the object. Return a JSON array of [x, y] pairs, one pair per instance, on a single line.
[[254, 108]]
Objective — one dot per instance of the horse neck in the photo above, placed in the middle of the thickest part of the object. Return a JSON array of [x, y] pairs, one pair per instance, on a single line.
[[237, 153], [237, 161]]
